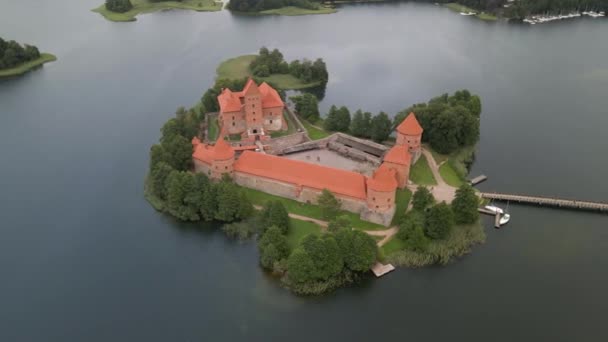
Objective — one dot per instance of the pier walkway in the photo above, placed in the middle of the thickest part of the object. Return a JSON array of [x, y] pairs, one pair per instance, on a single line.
[[547, 201]]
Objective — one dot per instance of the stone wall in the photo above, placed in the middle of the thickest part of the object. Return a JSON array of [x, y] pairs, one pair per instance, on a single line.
[[352, 153], [201, 167], [277, 145], [366, 146], [384, 218]]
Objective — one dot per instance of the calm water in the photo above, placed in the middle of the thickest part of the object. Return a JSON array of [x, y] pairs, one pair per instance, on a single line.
[[83, 257]]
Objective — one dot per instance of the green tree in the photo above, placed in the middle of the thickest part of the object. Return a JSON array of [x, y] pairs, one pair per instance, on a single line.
[[119, 6], [246, 209], [380, 127], [330, 205], [438, 221], [178, 150], [465, 205], [325, 255], [275, 214], [339, 223], [273, 247], [360, 124], [158, 176], [359, 250], [422, 198], [342, 121], [157, 155], [411, 232], [179, 184], [300, 267], [228, 205], [331, 120], [307, 106]]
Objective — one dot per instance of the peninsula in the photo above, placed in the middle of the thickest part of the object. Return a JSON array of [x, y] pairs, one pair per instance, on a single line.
[[127, 10], [16, 60]]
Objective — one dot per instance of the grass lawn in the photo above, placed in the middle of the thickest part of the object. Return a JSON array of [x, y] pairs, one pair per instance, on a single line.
[[313, 132], [292, 10], [298, 230], [25, 67], [238, 68], [393, 245], [421, 174], [402, 199], [309, 210], [461, 8], [213, 129], [449, 175], [145, 6]]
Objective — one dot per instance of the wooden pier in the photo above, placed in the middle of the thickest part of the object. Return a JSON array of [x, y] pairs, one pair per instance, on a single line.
[[491, 213], [548, 201], [478, 179], [380, 269]]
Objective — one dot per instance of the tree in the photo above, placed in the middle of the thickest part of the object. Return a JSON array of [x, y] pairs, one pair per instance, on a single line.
[[411, 232], [228, 205], [325, 255], [465, 205], [360, 124], [179, 184], [246, 208], [307, 106], [330, 205], [178, 151], [331, 120], [300, 267], [342, 119], [273, 247], [275, 214], [158, 177], [422, 199], [438, 221], [380, 127], [359, 250], [119, 6], [339, 223]]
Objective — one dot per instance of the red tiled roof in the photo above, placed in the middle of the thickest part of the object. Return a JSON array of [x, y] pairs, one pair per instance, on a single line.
[[398, 154], [410, 126], [230, 101], [384, 180], [297, 172], [209, 153]]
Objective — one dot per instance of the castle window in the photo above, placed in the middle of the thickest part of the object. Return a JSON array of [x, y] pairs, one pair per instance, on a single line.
[[374, 199], [233, 123], [270, 120], [377, 207], [253, 105], [388, 199], [225, 167]]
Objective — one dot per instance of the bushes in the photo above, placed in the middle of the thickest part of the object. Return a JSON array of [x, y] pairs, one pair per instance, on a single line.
[[119, 6], [307, 106], [268, 63], [12, 54]]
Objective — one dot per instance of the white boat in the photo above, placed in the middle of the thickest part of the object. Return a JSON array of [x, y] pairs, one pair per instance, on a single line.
[[469, 13], [504, 219], [494, 209]]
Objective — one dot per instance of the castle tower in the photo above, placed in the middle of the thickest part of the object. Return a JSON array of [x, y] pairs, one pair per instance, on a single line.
[[213, 160], [252, 104], [381, 190], [409, 133], [398, 158]]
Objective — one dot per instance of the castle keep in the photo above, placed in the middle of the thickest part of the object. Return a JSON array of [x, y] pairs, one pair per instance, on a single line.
[[372, 197]]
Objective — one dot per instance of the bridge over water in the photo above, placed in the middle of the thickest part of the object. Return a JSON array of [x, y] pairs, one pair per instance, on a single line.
[[548, 201]]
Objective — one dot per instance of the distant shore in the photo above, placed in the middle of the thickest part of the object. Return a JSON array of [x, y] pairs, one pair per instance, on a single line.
[[27, 66], [144, 6]]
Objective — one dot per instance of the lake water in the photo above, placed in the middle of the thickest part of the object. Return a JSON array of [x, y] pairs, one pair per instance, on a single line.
[[83, 257]]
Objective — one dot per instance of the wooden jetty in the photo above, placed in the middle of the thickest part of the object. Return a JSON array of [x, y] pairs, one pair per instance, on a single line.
[[380, 269], [491, 213], [478, 179], [547, 201]]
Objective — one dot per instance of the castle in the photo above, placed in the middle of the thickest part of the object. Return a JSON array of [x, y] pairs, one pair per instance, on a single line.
[[372, 197], [251, 112]]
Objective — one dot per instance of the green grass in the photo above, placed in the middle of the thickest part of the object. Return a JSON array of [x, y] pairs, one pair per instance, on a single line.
[[450, 176], [238, 68], [439, 158], [144, 6], [461, 8], [313, 132], [299, 229], [292, 10], [421, 174], [402, 200], [458, 243], [291, 127], [27, 66], [213, 129], [309, 210]]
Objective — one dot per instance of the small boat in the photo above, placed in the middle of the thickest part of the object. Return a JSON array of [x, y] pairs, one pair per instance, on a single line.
[[494, 209], [504, 219]]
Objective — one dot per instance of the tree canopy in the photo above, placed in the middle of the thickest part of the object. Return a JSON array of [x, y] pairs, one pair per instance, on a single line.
[[119, 6], [13, 54], [307, 106], [275, 214], [272, 247], [422, 198], [330, 205], [438, 221], [268, 62], [261, 5], [465, 205]]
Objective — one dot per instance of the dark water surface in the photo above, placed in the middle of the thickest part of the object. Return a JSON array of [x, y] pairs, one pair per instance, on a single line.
[[83, 257]]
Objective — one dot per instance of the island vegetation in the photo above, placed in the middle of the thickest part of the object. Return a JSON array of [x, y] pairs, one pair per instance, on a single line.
[[16, 59], [520, 9], [279, 7], [127, 10]]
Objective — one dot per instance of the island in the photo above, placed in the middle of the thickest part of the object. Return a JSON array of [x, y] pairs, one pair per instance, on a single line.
[[16, 60], [356, 193], [127, 10], [280, 7]]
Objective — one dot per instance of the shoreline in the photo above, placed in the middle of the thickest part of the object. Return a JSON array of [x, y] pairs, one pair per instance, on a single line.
[[27, 66], [144, 7]]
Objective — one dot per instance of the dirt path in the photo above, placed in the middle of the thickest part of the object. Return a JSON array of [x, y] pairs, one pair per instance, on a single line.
[[321, 223], [387, 233], [442, 191]]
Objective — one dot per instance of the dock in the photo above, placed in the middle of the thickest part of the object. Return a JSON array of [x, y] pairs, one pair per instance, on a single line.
[[380, 269], [548, 201], [491, 213], [478, 179]]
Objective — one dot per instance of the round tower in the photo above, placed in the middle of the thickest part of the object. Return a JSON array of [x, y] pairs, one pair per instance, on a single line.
[[409, 133], [381, 190], [223, 159]]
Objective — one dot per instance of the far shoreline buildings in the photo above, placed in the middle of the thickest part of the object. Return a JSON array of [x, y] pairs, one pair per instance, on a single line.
[[259, 111]]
